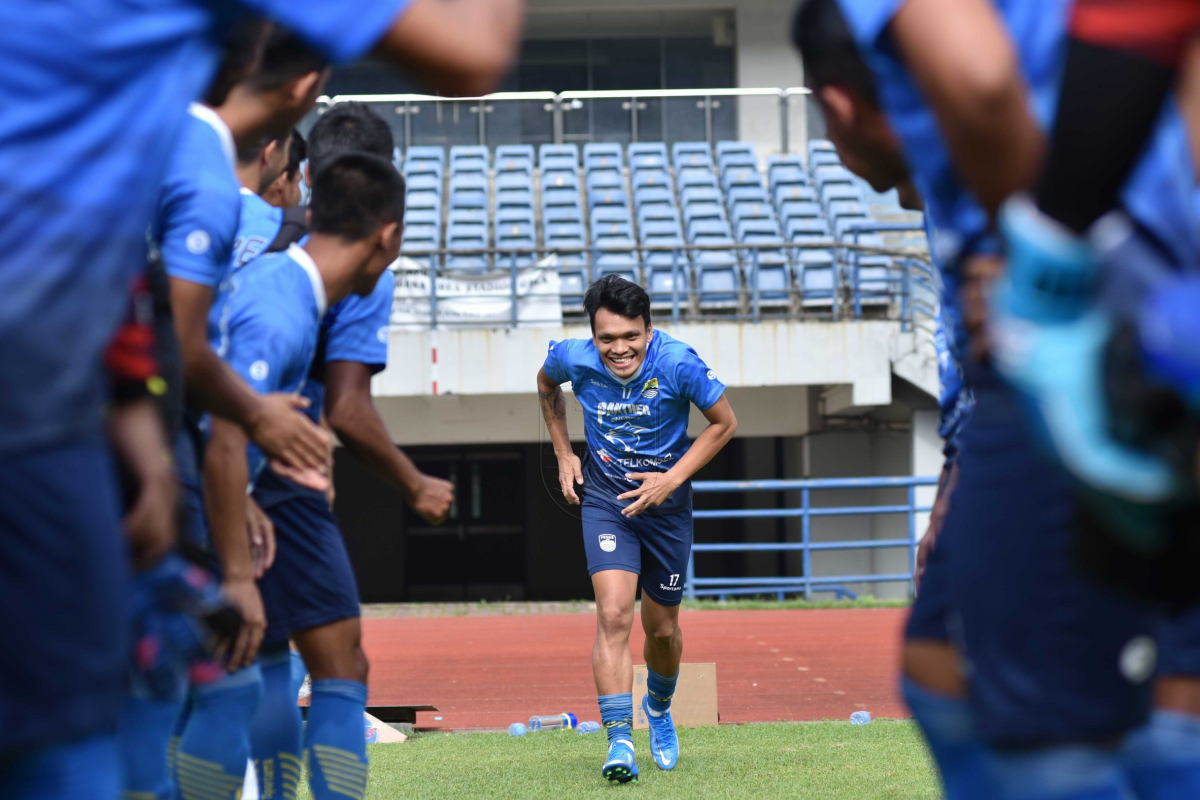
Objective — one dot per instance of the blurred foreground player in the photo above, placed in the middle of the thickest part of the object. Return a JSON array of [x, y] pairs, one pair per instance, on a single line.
[[274, 327], [352, 348], [98, 92], [636, 386]]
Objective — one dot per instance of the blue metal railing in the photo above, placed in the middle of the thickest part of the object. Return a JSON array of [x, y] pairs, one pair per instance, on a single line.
[[805, 583]]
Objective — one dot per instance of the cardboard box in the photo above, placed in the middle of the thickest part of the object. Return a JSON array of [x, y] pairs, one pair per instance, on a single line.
[[695, 701]]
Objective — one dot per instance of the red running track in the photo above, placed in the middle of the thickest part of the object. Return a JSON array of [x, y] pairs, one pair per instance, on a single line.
[[487, 672]]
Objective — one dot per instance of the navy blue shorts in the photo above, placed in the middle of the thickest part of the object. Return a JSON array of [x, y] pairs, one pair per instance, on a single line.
[[187, 449], [63, 580], [929, 615], [655, 547], [1179, 645], [1051, 655], [311, 582]]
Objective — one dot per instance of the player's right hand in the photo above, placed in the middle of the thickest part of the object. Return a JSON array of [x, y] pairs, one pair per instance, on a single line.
[[570, 474], [433, 499], [243, 595], [288, 436]]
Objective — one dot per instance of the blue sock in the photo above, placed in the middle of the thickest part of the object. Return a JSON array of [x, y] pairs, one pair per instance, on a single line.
[[616, 714], [1164, 757], [210, 761], [143, 732], [954, 742], [83, 768], [660, 690], [335, 746], [275, 730]]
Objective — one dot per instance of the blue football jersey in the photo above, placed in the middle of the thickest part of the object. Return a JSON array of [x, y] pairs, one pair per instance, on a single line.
[[200, 201], [258, 226], [274, 319], [638, 424], [1155, 195], [95, 94]]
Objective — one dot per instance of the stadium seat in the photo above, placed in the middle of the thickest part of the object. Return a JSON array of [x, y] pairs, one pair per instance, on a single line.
[[605, 180], [785, 159], [560, 197], [843, 226], [422, 200], [726, 147], [699, 194], [421, 216], [824, 158], [514, 158], [736, 161], [820, 145], [651, 177], [569, 151], [422, 169], [823, 176], [740, 177], [564, 163], [421, 237], [397, 159], [511, 214], [741, 212], [842, 208], [759, 228], [607, 197], [696, 176], [623, 264], [420, 154], [805, 226], [602, 156], [653, 194], [840, 191], [698, 213], [572, 250], [560, 178], [570, 214], [613, 234], [467, 216], [746, 194], [649, 153], [691, 153], [608, 214], [424, 182], [515, 235], [815, 275], [469, 165], [786, 175], [657, 212], [515, 198]]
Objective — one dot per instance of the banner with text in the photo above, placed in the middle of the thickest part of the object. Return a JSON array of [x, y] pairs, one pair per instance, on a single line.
[[477, 298]]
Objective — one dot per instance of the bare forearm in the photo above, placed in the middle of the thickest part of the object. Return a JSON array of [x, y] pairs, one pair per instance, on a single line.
[[136, 434], [364, 434], [226, 476], [554, 411], [965, 65], [707, 444]]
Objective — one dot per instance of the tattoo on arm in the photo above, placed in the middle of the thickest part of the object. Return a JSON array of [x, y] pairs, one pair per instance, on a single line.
[[554, 404]]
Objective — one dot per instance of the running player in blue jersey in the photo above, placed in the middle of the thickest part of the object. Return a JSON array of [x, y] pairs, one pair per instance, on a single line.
[[285, 191], [259, 166], [310, 594], [275, 319], [636, 386], [1005, 712]]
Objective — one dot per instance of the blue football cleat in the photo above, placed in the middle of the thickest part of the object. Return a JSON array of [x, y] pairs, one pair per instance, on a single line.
[[621, 765], [664, 744]]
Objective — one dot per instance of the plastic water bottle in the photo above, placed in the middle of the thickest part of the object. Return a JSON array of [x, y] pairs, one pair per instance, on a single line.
[[860, 717], [516, 729], [552, 722], [589, 727]]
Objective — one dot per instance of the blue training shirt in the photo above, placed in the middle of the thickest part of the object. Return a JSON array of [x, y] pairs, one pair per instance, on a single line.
[[274, 319], [95, 94], [257, 227], [638, 424]]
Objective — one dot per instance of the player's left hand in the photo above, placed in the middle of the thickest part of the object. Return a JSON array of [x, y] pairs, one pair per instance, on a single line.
[[655, 489], [262, 538], [315, 479], [433, 499]]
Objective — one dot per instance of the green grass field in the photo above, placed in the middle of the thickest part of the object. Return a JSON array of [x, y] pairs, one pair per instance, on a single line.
[[832, 760]]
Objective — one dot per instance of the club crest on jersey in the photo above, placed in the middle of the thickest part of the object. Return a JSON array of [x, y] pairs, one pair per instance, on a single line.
[[650, 389], [608, 542]]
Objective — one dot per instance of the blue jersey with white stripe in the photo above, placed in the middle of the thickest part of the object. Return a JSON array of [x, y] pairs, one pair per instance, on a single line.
[[638, 424], [94, 95], [274, 319], [258, 226]]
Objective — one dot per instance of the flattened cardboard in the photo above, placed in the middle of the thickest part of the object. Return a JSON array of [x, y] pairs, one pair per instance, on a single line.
[[695, 701]]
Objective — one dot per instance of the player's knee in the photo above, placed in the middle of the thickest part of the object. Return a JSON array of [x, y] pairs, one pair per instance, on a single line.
[[662, 631], [614, 620]]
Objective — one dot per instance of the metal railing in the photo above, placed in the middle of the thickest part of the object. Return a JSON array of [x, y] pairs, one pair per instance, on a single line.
[[805, 583], [531, 117], [846, 298]]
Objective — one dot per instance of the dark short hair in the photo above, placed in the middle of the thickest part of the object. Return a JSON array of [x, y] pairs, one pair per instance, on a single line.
[[348, 126], [831, 56], [354, 194], [297, 152], [619, 296], [249, 152], [285, 58], [241, 58]]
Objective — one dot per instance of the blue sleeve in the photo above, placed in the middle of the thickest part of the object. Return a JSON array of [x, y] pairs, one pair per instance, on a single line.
[[696, 381], [258, 349], [868, 18], [197, 231], [558, 362], [359, 331], [344, 31]]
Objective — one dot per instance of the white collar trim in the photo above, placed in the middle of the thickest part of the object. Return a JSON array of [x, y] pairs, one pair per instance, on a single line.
[[246, 191], [214, 121], [301, 257]]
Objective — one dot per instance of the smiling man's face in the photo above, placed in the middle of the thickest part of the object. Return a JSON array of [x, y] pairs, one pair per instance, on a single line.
[[621, 341]]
